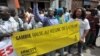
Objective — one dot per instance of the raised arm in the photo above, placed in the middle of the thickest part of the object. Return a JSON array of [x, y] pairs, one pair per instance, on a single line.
[[36, 12]]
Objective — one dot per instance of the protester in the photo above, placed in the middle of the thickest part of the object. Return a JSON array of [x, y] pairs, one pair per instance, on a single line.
[[63, 17], [96, 17], [29, 20], [42, 13], [33, 19], [60, 15], [88, 16], [43, 19], [7, 28], [53, 21], [66, 15], [94, 21], [51, 17], [18, 20], [79, 15], [47, 20], [98, 25]]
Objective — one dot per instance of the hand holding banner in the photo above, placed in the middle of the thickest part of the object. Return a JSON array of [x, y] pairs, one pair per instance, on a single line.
[[47, 39]]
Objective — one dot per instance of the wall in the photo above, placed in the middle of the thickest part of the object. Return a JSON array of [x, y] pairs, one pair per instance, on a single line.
[[76, 4], [11, 4], [94, 3], [54, 4]]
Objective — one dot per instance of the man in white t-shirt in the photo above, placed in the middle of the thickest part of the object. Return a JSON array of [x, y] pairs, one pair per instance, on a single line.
[[7, 27], [17, 21], [30, 21]]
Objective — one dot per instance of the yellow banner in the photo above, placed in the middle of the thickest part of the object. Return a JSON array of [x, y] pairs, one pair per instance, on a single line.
[[43, 40]]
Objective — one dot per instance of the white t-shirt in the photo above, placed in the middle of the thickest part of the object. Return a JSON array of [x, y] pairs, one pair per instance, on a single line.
[[84, 25], [38, 25], [66, 17], [8, 26], [6, 48], [14, 23], [29, 25], [98, 13], [19, 22]]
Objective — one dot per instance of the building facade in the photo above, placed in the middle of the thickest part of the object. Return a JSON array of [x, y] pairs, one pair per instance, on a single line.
[[45, 4], [9, 3], [94, 3], [76, 4], [61, 3], [3, 2]]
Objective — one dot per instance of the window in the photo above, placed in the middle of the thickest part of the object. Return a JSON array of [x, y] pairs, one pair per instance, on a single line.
[[3, 2]]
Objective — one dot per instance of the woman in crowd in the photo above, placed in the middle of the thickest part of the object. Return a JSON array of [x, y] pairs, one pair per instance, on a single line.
[[79, 15]]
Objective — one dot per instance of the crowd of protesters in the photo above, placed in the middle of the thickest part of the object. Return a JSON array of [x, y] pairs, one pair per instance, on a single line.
[[10, 22]]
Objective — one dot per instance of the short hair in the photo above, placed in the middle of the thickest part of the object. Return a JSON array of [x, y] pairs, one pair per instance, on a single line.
[[12, 12], [5, 8], [29, 9], [94, 12]]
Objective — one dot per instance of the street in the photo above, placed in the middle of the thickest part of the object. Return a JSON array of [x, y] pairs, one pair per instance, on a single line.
[[93, 52], [88, 52]]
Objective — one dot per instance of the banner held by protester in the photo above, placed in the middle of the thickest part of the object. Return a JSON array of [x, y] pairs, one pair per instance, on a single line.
[[43, 40]]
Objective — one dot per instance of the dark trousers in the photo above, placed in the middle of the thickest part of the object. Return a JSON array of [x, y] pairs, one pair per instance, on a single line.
[[80, 47], [96, 36], [90, 39]]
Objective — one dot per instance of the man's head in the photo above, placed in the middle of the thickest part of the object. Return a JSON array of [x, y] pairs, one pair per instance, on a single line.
[[12, 12], [65, 9], [60, 11], [51, 12], [4, 13], [29, 10]]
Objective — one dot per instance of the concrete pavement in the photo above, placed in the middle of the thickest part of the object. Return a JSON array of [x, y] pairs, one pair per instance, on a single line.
[[93, 52], [89, 51]]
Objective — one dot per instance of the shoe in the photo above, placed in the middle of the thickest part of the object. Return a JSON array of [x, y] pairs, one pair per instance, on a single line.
[[97, 46], [85, 48], [92, 47], [81, 54], [69, 54]]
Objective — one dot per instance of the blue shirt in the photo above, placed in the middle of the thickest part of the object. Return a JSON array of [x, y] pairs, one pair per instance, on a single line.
[[53, 20], [44, 20]]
